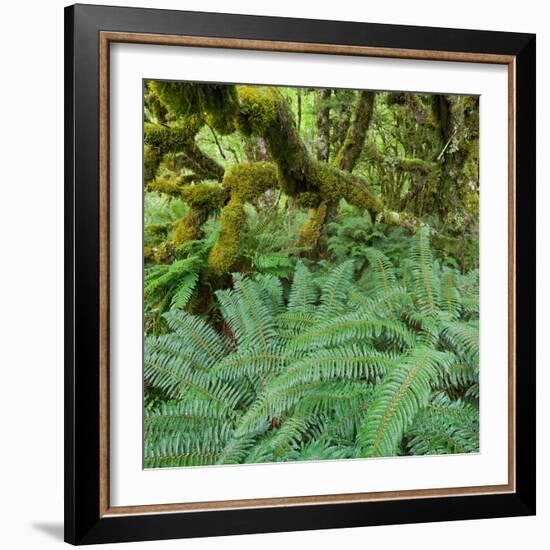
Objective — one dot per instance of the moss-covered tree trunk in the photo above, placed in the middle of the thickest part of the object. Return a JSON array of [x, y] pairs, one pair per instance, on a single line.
[[323, 124], [263, 117]]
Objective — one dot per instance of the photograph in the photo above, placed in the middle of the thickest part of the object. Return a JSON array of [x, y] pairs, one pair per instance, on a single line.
[[310, 274], [299, 272]]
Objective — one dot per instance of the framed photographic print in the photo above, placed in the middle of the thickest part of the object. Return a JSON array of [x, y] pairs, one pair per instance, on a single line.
[[300, 282]]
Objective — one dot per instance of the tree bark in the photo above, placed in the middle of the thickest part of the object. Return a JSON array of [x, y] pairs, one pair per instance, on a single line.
[[349, 153], [322, 120]]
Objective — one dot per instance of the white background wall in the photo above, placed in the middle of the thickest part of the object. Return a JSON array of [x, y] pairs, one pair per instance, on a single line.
[[31, 273]]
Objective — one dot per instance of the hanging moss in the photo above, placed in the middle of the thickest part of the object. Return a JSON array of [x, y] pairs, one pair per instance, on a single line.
[[206, 196], [218, 102], [225, 252], [168, 185], [168, 139], [223, 123], [247, 181], [189, 228], [334, 184], [257, 109], [311, 230], [265, 113], [308, 200], [180, 139]]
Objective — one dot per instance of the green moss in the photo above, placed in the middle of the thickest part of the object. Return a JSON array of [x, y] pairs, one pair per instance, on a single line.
[[203, 200], [265, 113], [189, 228], [218, 102], [415, 165], [351, 148], [151, 161], [223, 123], [311, 230], [163, 253], [148, 254], [257, 109], [308, 199], [180, 138], [169, 185], [206, 196], [399, 218], [225, 252], [153, 104], [247, 181], [168, 139], [156, 230], [334, 184]]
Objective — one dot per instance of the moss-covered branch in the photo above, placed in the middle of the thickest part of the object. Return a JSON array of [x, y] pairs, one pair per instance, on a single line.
[[349, 152], [264, 117], [225, 251], [404, 164], [323, 124], [160, 140], [265, 113]]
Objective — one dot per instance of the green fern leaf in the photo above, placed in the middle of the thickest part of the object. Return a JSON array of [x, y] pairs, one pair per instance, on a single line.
[[405, 390]]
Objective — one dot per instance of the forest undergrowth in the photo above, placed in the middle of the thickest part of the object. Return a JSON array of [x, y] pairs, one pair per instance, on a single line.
[[311, 279]]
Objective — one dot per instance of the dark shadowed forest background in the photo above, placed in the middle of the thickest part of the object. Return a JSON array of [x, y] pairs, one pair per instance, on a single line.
[[311, 274]]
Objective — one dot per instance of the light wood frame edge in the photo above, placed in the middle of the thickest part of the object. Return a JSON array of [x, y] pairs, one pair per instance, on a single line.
[[105, 39]]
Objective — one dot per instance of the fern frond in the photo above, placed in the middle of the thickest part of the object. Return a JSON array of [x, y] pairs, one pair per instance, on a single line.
[[353, 327], [303, 293], [184, 290], [271, 292], [247, 314], [318, 450], [379, 302], [179, 380], [381, 271], [334, 291], [463, 338], [404, 391], [177, 450], [445, 427], [252, 362], [458, 376], [346, 369], [201, 340], [294, 430], [425, 284], [292, 324], [273, 264], [305, 379], [183, 416], [237, 448], [450, 300]]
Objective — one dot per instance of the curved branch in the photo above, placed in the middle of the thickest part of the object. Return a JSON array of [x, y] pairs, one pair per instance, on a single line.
[[179, 139], [349, 152]]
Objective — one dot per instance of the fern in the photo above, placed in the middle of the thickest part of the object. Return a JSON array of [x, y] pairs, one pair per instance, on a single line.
[[367, 360], [399, 397], [425, 286], [172, 286], [445, 427]]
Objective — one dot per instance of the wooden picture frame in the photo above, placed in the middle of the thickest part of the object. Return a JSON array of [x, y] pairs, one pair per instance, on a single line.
[[89, 32]]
